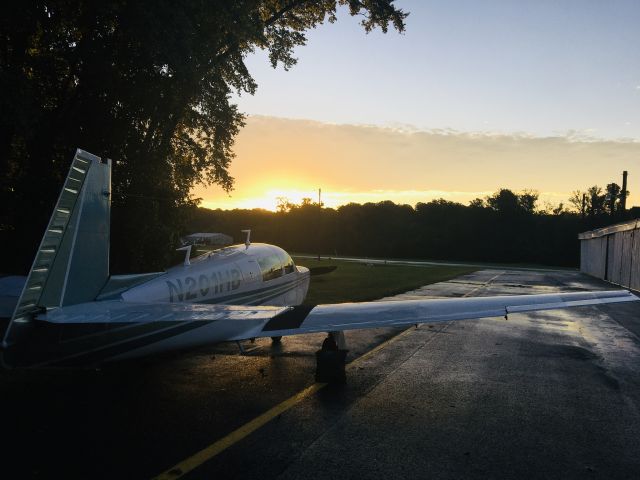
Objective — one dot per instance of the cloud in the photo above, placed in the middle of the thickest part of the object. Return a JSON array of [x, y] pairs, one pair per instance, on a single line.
[[405, 162]]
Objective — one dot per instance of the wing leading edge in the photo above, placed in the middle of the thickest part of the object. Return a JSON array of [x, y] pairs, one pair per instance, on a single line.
[[265, 321]]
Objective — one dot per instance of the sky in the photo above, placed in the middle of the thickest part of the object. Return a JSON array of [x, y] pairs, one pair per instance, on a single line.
[[473, 97]]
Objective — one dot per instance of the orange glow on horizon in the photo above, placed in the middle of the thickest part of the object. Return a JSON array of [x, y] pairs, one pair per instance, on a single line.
[[331, 199], [269, 200], [291, 159]]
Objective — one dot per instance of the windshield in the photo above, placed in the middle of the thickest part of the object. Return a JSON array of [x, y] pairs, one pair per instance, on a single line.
[[271, 267]]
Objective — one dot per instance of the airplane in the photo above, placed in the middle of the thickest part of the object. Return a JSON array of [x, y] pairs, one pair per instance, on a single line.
[[72, 312]]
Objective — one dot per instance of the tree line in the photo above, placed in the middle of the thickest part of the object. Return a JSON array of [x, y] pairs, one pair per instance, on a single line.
[[507, 227]]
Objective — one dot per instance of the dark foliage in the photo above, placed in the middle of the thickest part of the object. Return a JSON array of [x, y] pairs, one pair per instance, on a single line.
[[503, 228], [146, 83]]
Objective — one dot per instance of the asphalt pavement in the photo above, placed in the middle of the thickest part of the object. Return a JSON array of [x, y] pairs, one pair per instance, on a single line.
[[551, 394]]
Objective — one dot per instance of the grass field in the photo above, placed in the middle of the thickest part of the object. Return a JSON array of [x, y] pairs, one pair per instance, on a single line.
[[356, 282]]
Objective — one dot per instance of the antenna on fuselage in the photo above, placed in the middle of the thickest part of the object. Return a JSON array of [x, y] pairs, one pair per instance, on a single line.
[[187, 249], [247, 242]]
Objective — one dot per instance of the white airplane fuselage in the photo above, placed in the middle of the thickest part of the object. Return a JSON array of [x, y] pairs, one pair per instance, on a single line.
[[255, 274]]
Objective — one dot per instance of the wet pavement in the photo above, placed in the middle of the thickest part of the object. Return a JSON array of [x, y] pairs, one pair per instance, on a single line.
[[552, 394]]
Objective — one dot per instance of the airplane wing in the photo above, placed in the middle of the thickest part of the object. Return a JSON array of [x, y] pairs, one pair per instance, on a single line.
[[96, 332], [349, 316], [242, 322]]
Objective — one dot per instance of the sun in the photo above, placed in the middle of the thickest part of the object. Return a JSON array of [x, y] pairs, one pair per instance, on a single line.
[[268, 199]]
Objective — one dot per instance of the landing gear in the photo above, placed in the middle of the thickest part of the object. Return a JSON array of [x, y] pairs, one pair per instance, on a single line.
[[330, 359], [276, 340]]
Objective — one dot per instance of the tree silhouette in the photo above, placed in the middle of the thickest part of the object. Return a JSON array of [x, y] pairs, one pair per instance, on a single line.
[[147, 83], [512, 230], [578, 201], [595, 201], [507, 203], [612, 198]]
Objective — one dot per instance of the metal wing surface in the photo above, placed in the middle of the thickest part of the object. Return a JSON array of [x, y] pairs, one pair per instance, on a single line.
[[242, 322], [348, 316]]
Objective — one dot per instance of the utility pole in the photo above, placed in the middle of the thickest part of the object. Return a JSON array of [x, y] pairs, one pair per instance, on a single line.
[[320, 195], [623, 194]]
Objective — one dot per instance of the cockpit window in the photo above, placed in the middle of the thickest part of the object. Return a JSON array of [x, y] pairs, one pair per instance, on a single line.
[[288, 265], [271, 267]]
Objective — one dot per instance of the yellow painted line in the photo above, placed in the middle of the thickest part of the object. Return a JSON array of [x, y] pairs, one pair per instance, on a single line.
[[206, 454], [214, 449]]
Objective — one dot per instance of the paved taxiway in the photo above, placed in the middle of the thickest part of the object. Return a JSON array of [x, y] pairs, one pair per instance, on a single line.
[[552, 394]]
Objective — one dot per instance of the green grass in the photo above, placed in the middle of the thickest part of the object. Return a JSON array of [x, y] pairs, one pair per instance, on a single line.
[[356, 282]]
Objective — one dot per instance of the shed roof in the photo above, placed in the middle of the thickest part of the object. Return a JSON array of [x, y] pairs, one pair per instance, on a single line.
[[618, 227]]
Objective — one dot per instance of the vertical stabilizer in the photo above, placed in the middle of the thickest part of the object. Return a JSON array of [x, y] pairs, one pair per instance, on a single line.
[[72, 263]]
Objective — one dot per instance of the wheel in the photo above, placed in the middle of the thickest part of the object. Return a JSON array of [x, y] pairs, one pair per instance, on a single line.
[[276, 340]]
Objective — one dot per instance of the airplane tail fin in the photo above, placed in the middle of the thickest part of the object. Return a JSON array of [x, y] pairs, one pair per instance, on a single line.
[[72, 263]]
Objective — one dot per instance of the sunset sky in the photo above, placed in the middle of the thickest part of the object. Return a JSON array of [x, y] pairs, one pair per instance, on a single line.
[[475, 96]]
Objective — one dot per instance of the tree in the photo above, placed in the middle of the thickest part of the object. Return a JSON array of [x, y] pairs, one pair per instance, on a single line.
[[595, 201], [477, 203], [559, 210], [527, 201], [284, 205], [578, 201], [596, 204], [146, 83], [504, 202], [509, 203], [591, 202], [612, 198]]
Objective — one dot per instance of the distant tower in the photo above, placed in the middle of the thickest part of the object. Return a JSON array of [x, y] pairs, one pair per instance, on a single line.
[[623, 194]]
